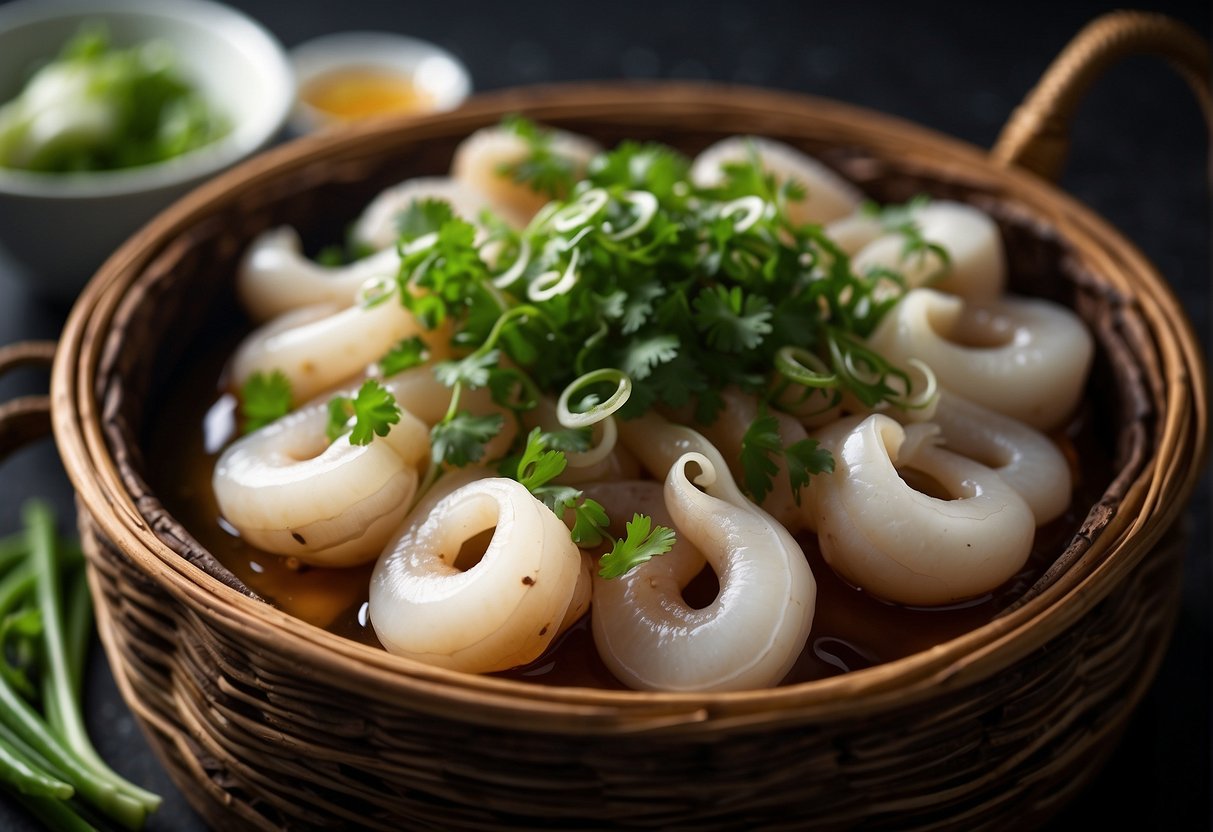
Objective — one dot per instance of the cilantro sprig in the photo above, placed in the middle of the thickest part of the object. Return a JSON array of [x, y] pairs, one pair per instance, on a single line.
[[369, 413], [642, 543], [762, 443], [539, 464]]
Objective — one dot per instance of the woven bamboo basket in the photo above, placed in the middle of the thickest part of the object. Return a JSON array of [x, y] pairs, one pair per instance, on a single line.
[[266, 722]]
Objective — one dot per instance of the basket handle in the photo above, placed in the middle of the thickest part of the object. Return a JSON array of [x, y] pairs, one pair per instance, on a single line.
[[1036, 137], [26, 418]]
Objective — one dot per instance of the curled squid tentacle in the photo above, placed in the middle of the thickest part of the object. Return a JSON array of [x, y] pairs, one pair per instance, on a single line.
[[290, 491], [659, 444], [275, 277], [747, 637], [479, 159], [320, 347], [1026, 358], [828, 195], [906, 546], [500, 612], [1027, 459], [377, 226], [977, 263]]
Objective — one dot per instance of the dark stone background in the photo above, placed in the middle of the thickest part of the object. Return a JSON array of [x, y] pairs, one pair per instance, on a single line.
[[1140, 158]]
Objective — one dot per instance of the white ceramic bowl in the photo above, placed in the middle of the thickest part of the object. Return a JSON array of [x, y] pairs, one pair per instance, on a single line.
[[439, 76], [59, 228]]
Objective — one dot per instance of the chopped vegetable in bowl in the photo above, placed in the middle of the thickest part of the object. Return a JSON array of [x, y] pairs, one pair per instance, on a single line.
[[101, 107]]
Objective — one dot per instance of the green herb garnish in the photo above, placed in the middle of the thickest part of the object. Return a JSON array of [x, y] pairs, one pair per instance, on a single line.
[[642, 543], [47, 761], [96, 107], [264, 398], [370, 413]]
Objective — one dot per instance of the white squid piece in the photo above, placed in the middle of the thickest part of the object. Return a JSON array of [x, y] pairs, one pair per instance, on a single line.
[[377, 225], [499, 613], [1026, 358], [319, 347], [829, 196], [854, 231], [977, 263], [908, 547], [478, 161], [275, 277], [1025, 458], [288, 490], [748, 637], [659, 444]]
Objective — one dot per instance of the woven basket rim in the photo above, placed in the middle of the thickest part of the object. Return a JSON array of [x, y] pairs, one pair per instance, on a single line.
[[974, 655]]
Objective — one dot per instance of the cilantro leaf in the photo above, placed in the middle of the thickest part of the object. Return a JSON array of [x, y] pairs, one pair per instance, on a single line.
[[648, 166], [641, 356], [408, 353], [590, 522], [340, 410], [537, 465], [423, 216], [732, 320], [759, 443], [804, 459], [642, 542], [373, 411], [573, 440], [460, 440], [264, 398], [473, 370]]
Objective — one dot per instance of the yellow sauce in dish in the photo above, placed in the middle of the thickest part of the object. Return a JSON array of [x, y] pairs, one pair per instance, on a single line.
[[359, 92]]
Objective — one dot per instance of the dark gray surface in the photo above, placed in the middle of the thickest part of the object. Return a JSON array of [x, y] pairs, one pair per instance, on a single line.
[[1139, 159]]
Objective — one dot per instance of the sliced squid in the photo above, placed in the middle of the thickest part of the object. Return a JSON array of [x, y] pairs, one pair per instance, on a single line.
[[1026, 358], [499, 613], [829, 196], [1025, 458], [378, 225], [479, 160], [906, 546], [287, 489], [275, 277], [319, 347], [976, 268], [747, 637], [854, 231]]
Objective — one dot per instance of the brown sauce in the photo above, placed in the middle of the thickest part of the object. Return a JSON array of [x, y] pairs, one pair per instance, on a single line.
[[851, 629]]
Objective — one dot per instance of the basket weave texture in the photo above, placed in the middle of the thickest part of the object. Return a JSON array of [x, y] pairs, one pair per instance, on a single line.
[[268, 723]]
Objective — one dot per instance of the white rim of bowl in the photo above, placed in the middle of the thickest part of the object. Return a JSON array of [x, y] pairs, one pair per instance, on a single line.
[[374, 50], [244, 33]]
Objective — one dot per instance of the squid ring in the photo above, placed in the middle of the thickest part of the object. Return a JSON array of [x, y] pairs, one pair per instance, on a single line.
[[503, 611], [288, 490]]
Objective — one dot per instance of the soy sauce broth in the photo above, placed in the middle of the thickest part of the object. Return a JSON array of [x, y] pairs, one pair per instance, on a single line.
[[851, 629]]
